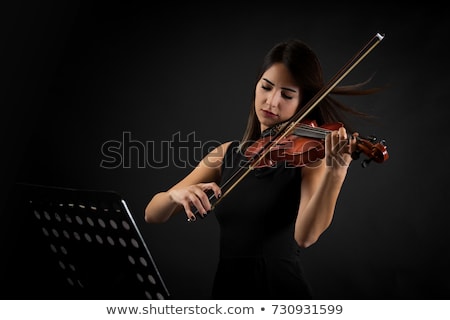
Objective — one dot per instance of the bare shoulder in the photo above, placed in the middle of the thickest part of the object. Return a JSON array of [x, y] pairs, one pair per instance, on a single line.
[[214, 158], [208, 169]]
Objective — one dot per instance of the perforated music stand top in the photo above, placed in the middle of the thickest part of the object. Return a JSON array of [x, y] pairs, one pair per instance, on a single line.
[[93, 242]]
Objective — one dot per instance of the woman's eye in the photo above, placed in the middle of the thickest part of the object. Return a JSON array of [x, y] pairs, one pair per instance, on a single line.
[[286, 96], [265, 87]]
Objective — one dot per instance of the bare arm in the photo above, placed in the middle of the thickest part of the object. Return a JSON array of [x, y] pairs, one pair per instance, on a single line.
[[190, 191], [320, 189]]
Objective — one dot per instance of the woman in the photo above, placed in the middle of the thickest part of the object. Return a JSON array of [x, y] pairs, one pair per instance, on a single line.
[[274, 211]]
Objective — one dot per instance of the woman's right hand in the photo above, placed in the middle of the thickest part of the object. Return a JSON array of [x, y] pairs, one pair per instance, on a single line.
[[194, 196]]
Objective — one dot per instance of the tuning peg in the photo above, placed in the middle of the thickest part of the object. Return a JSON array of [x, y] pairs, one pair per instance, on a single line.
[[371, 138], [356, 154], [365, 162]]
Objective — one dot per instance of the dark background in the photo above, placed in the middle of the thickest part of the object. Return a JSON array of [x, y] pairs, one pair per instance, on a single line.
[[77, 75]]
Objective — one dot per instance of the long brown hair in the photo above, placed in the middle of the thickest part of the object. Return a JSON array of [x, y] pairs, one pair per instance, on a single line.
[[306, 70]]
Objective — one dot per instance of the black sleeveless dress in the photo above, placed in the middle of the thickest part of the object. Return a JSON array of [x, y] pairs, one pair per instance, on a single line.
[[259, 258]]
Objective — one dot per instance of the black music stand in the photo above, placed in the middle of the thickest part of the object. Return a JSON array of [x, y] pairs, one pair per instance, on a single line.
[[79, 244]]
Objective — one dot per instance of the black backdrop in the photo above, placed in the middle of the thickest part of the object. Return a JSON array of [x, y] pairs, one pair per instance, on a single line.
[[80, 77]]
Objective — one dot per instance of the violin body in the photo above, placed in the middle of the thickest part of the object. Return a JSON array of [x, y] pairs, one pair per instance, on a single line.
[[306, 145]]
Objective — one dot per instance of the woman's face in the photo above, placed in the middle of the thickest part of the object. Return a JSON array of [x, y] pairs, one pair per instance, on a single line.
[[277, 96]]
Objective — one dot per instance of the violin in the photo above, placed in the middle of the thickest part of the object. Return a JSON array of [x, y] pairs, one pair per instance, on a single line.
[[300, 143], [305, 146]]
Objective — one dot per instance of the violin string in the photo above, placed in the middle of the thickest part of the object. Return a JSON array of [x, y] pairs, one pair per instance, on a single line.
[[308, 128]]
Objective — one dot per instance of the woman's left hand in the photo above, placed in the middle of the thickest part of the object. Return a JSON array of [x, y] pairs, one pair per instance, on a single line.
[[339, 147]]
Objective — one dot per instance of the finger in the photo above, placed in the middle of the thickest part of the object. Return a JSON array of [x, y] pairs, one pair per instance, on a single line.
[[344, 142], [192, 205], [215, 188], [187, 209], [353, 142], [199, 201], [204, 196], [342, 133], [328, 147], [335, 146], [335, 137]]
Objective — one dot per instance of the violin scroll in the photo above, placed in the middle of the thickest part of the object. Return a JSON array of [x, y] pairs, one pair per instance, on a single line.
[[375, 150]]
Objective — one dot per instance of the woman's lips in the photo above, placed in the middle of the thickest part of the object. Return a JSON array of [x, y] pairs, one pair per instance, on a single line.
[[269, 114]]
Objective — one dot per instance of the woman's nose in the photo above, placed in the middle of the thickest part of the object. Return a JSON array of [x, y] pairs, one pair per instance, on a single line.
[[273, 98]]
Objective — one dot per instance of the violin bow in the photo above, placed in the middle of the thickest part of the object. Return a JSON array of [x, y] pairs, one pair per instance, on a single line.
[[287, 127]]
